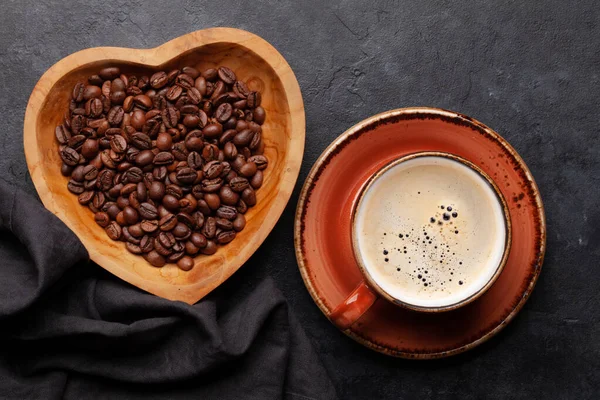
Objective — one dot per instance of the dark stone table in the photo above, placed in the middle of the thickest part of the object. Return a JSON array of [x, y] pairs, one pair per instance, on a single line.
[[530, 70]]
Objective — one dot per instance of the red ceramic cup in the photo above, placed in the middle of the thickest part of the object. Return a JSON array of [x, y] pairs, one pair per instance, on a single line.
[[368, 290]]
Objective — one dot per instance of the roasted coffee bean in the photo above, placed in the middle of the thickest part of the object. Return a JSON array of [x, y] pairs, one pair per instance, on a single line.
[[225, 237], [194, 96], [191, 120], [85, 197], [89, 172], [160, 249], [212, 169], [171, 203], [62, 134], [113, 210], [203, 207], [226, 75], [257, 180], [78, 90], [115, 115], [109, 73], [131, 215], [122, 202], [248, 170], [163, 158], [155, 259], [210, 249], [127, 189], [230, 151], [90, 148], [186, 219], [136, 230], [219, 90], [148, 211], [69, 156], [75, 142], [241, 207], [186, 176], [144, 157], [194, 160], [176, 256], [78, 175], [191, 249], [210, 228], [141, 141], [213, 200], [179, 151], [191, 71], [188, 204], [241, 90], [210, 74], [239, 223], [228, 196], [102, 219], [254, 99], [149, 226], [113, 230], [238, 184], [75, 187], [128, 104], [134, 175], [185, 81], [147, 244], [156, 191], [212, 185], [255, 142], [159, 79], [168, 222], [170, 117], [212, 131], [226, 212], [133, 248], [117, 97], [66, 170], [198, 240], [164, 141], [129, 237], [260, 161], [185, 263], [210, 152], [182, 231], [249, 197], [259, 115], [224, 224], [223, 112], [244, 137], [174, 92], [166, 239], [174, 191]]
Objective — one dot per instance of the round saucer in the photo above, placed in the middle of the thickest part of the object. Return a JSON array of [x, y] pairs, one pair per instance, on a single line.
[[323, 233]]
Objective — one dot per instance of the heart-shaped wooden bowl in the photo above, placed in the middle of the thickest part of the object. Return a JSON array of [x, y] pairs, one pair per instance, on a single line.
[[257, 63]]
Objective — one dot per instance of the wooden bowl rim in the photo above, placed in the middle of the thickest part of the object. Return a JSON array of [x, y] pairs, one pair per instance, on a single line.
[[155, 57]]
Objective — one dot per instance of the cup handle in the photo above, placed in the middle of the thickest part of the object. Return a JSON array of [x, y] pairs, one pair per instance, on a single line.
[[355, 305]]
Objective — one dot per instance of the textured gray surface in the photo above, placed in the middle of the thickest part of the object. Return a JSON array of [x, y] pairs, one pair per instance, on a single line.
[[530, 71]]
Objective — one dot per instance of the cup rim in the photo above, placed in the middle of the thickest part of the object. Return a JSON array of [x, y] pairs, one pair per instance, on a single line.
[[369, 279]]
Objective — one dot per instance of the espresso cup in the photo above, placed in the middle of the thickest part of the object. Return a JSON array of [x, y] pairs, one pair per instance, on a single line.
[[430, 233]]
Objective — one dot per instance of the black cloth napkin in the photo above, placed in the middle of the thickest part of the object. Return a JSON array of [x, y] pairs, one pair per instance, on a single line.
[[68, 329]]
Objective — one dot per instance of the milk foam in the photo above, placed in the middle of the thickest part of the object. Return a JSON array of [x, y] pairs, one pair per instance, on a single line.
[[430, 231]]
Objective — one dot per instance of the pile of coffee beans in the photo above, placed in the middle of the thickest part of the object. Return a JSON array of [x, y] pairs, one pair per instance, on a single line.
[[168, 163]]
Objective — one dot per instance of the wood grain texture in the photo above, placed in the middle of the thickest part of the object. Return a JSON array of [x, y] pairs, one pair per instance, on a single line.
[[254, 61]]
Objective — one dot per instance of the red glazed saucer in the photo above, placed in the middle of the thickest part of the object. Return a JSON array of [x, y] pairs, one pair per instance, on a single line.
[[323, 232]]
